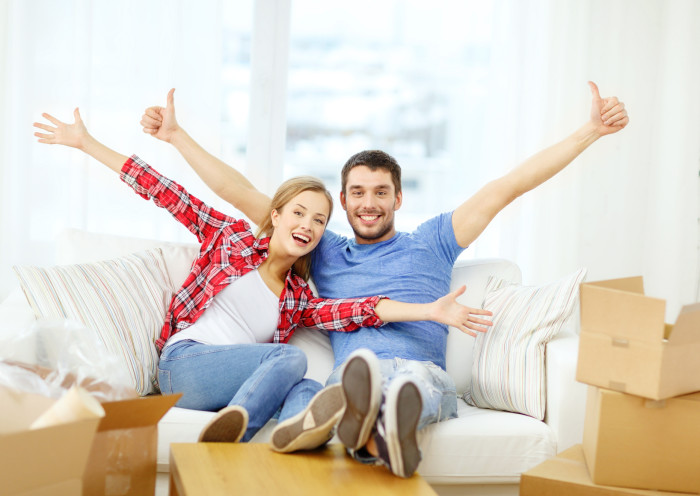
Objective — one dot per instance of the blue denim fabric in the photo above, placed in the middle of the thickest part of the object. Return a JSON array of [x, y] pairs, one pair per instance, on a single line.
[[437, 390], [259, 377]]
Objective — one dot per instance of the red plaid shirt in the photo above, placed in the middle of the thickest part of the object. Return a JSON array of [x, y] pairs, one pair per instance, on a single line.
[[229, 250]]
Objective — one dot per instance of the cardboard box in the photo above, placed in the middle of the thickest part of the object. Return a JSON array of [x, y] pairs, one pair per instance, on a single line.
[[626, 346], [123, 455], [41, 462], [567, 475], [635, 442]]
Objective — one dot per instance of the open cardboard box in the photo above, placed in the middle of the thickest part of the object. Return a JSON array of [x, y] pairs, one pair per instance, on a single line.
[[122, 455], [626, 346], [42, 462], [631, 441], [567, 474]]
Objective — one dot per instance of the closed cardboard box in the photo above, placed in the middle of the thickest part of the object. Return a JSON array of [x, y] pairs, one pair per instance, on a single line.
[[567, 475], [626, 346], [42, 462], [631, 441]]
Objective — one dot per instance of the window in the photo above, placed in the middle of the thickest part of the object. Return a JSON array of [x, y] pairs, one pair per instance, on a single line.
[[407, 77]]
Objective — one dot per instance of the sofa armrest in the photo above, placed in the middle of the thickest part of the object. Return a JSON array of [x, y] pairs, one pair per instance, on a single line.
[[16, 316], [566, 398]]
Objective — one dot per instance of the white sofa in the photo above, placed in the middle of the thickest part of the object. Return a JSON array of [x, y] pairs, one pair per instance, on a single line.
[[481, 452]]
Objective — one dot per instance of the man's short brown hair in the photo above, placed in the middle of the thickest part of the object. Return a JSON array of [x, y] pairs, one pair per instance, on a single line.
[[373, 159]]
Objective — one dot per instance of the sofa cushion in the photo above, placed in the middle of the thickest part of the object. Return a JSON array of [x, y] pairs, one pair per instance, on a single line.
[[474, 274], [77, 246], [483, 446], [508, 372], [478, 446], [123, 300]]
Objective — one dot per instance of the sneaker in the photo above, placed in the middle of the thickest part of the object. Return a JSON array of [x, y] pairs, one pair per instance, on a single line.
[[395, 436], [227, 426], [362, 388], [312, 427]]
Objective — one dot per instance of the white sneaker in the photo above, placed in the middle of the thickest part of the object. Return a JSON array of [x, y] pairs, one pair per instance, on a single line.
[[362, 388], [227, 426], [397, 428], [312, 427]]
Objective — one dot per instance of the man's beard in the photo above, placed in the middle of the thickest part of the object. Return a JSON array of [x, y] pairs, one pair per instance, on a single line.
[[371, 237]]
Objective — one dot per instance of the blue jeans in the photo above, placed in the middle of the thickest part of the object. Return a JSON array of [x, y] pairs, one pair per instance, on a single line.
[[437, 389], [259, 377]]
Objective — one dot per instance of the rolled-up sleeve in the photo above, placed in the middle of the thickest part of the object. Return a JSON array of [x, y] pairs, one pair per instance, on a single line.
[[344, 314], [198, 217]]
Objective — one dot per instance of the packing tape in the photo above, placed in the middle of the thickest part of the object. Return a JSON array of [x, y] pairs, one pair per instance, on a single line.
[[620, 342], [655, 404]]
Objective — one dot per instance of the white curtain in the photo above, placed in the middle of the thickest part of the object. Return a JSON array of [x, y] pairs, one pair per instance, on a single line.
[[111, 59], [629, 205]]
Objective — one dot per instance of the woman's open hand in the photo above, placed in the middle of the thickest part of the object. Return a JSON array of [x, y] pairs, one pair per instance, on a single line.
[[61, 133]]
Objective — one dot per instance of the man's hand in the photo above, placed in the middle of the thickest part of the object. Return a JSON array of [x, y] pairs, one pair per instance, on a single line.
[[447, 311], [607, 114], [160, 121], [61, 133]]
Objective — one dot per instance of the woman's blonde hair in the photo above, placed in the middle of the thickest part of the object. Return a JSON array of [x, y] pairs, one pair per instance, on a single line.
[[284, 194]]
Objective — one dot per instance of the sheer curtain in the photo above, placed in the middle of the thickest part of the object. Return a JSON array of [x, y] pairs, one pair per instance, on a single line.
[[111, 59], [629, 205]]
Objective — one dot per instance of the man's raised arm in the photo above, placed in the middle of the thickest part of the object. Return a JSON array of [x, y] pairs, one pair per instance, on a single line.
[[608, 116], [222, 179]]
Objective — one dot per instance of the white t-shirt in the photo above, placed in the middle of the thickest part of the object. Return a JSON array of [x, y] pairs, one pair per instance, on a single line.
[[244, 312]]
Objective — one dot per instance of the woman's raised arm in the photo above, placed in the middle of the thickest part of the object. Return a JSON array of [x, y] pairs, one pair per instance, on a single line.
[[76, 136]]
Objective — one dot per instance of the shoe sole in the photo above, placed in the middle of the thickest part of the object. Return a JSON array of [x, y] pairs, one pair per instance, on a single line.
[[312, 427], [403, 407], [227, 426], [361, 382]]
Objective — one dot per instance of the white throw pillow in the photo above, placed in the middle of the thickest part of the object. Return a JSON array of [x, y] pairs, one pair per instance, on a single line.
[[124, 300], [508, 372]]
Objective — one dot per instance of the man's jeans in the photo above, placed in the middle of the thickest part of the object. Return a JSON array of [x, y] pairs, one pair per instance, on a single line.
[[259, 377], [437, 389]]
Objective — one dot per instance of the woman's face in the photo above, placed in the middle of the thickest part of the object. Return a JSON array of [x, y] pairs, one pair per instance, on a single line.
[[300, 223]]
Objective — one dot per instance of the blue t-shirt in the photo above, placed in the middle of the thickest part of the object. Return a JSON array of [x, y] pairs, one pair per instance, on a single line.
[[412, 267]]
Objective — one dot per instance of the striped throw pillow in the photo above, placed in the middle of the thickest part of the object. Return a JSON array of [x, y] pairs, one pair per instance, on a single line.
[[508, 372], [123, 300]]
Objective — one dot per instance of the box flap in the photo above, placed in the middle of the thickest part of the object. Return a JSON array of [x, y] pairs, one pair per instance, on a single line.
[[617, 308], [139, 412], [687, 328], [628, 284]]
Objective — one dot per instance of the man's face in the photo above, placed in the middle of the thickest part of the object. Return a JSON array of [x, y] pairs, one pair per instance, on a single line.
[[369, 201]]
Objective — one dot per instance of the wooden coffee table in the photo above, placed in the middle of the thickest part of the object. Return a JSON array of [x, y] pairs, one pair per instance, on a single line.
[[205, 469]]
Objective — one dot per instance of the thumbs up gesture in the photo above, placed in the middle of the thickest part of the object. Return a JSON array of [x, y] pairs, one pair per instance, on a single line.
[[607, 114], [160, 121]]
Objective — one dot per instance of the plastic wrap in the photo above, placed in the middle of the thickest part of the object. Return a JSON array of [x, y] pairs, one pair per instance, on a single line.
[[50, 356]]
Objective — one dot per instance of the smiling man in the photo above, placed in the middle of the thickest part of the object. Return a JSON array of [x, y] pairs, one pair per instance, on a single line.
[[393, 378]]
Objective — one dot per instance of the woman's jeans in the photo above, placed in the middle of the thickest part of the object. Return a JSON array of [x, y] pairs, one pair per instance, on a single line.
[[259, 377]]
